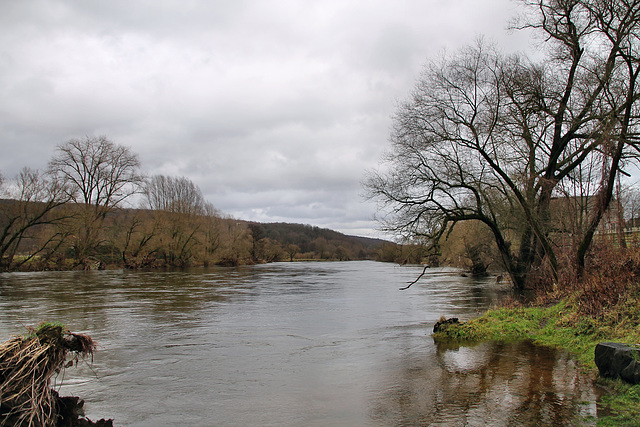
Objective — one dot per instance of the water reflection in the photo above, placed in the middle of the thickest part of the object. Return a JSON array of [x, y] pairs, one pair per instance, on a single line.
[[508, 384]]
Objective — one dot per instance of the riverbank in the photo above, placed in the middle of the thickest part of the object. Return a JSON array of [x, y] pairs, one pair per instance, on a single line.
[[564, 325]]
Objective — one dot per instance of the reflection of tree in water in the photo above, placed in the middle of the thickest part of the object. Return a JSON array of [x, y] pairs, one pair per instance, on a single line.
[[492, 383], [475, 293]]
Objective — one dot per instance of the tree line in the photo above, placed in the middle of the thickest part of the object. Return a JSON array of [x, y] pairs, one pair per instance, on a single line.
[[73, 215]]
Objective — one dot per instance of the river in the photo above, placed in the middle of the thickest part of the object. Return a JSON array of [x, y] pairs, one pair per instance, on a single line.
[[293, 344]]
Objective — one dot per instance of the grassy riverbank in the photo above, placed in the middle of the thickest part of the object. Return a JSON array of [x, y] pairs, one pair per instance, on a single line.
[[602, 306]]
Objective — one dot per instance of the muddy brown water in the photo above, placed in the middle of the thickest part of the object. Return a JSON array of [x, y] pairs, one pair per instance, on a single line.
[[294, 344]]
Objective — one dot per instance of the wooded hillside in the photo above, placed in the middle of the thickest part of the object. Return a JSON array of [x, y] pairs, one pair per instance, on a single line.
[[73, 216], [145, 238]]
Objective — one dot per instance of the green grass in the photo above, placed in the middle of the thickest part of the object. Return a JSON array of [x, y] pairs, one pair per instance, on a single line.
[[43, 327], [624, 402], [562, 326]]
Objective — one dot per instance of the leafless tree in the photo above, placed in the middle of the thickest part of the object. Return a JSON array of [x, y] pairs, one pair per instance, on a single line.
[[185, 219], [489, 137], [451, 160], [32, 202], [176, 195], [135, 235], [631, 204], [98, 175], [617, 26], [212, 236]]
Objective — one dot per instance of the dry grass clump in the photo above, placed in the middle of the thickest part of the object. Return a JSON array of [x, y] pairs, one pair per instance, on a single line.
[[612, 278], [27, 364]]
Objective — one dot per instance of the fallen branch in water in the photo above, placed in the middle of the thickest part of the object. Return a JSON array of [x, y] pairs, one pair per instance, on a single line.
[[415, 281]]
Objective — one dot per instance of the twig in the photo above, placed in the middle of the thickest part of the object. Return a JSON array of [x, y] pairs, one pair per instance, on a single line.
[[419, 277]]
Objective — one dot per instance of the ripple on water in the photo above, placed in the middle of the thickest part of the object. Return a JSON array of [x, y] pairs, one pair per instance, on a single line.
[[292, 344]]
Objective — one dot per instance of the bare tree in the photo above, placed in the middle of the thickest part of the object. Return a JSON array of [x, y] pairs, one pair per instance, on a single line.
[[617, 26], [177, 195], [489, 137], [32, 203], [185, 220], [236, 242], [631, 204], [212, 232], [98, 175], [447, 163], [135, 235]]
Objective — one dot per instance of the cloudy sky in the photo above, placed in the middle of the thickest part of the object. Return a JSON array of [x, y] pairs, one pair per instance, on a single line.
[[274, 108]]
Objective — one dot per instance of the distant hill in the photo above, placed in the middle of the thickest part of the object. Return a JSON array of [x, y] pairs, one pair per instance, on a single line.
[[292, 233], [322, 242]]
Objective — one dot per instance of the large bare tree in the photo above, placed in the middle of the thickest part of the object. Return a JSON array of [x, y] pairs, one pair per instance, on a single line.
[[98, 175], [181, 212], [490, 137]]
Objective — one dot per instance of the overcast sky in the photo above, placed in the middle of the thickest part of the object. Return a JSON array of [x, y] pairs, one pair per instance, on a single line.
[[275, 109]]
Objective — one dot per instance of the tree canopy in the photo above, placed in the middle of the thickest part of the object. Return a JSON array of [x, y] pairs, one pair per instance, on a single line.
[[98, 174], [495, 138]]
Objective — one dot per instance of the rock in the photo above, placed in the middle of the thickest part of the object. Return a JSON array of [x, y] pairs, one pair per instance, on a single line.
[[443, 323], [69, 408], [617, 360], [86, 422], [70, 413]]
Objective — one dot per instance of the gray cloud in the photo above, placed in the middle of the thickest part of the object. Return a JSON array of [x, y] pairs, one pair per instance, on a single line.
[[274, 108]]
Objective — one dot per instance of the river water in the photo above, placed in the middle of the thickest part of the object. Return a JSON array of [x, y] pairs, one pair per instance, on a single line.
[[293, 344]]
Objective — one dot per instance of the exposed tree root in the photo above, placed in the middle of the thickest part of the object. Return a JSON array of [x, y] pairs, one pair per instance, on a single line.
[[27, 364]]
